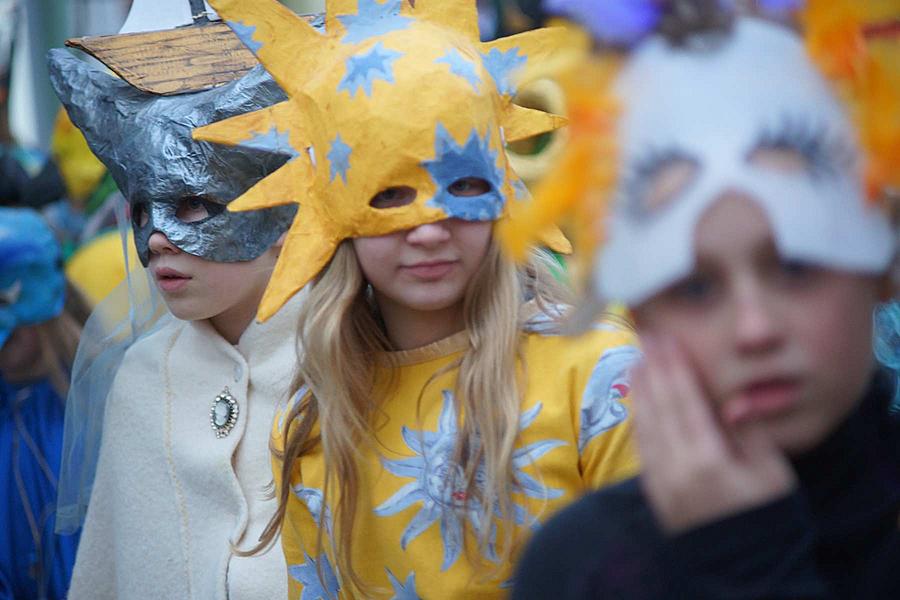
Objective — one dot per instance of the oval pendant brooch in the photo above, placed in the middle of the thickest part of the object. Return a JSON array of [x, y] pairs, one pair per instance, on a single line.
[[224, 413]]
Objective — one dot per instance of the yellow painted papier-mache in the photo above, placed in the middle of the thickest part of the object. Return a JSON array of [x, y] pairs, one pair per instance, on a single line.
[[382, 95]]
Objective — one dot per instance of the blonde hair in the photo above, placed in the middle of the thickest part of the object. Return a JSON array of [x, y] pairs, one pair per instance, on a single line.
[[342, 339]]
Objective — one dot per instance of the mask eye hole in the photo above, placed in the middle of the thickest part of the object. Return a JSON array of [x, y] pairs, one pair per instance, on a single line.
[[393, 197], [658, 179], [798, 145], [786, 160], [194, 209], [469, 186], [139, 215]]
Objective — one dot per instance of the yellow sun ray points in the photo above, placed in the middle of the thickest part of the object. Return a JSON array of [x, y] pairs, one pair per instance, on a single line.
[[284, 43], [459, 15], [535, 46], [307, 249], [521, 123], [276, 128], [287, 185]]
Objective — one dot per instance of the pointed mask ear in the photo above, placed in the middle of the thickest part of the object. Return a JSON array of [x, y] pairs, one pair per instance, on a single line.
[[97, 103]]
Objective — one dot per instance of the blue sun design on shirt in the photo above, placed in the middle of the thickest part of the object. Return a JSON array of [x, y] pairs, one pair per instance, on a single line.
[[372, 19], [308, 574], [405, 590], [453, 162], [245, 34], [339, 157], [601, 408], [461, 66], [314, 500], [364, 69], [503, 66], [438, 484]]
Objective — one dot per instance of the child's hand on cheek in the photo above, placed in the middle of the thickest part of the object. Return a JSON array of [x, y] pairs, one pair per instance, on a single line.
[[695, 471]]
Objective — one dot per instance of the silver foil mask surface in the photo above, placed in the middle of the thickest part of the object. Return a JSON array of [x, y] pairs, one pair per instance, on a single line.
[[145, 142]]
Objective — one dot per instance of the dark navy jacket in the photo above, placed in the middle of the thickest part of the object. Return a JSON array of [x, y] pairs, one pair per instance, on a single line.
[[837, 536], [35, 563]]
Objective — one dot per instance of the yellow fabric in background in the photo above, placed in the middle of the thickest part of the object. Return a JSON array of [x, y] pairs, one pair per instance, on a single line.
[[81, 170], [407, 536], [99, 266]]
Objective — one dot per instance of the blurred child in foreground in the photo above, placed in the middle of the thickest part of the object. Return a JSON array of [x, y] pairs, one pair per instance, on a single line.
[[743, 241]]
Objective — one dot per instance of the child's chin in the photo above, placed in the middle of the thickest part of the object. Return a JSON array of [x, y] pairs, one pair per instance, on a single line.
[[797, 436], [434, 303], [186, 311]]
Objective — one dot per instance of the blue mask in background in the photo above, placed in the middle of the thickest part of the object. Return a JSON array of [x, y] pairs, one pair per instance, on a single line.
[[32, 285]]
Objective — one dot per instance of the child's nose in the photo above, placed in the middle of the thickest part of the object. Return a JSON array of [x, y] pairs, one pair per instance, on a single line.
[[160, 244], [429, 234], [756, 324]]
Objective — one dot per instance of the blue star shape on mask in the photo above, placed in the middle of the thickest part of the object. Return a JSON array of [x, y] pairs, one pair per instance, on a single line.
[[339, 157], [245, 34], [405, 590], [461, 67], [453, 162], [372, 19], [313, 587], [502, 66], [438, 485], [364, 69], [272, 141]]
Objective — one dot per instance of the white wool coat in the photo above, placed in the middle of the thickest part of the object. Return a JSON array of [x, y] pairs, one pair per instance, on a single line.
[[170, 498]]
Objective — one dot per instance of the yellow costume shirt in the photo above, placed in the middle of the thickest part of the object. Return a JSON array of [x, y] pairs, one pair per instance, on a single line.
[[408, 531]]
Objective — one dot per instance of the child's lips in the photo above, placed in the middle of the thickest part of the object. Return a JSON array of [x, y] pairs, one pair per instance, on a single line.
[[430, 270], [170, 280], [766, 397]]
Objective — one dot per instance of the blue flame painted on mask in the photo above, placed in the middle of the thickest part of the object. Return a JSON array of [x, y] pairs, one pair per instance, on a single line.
[[364, 69], [32, 286], [339, 157], [503, 67], [373, 19], [453, 162], [245, 34], [461, 67]]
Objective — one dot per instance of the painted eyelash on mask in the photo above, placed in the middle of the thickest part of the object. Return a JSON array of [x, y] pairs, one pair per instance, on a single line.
[[825, 155], [642, 172]]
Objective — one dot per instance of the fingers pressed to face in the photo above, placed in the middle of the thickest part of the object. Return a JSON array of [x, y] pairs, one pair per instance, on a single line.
[[645, 423], [696, 419], [655, 428], [751, 441], [672, 412]]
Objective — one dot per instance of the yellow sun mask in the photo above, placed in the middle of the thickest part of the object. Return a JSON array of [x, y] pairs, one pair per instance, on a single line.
[[382, 96]]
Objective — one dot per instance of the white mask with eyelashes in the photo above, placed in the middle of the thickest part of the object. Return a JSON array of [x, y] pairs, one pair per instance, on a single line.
[[714, 108]]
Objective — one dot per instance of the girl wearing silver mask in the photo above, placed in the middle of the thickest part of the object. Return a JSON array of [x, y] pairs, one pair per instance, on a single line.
[[174, 458]]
